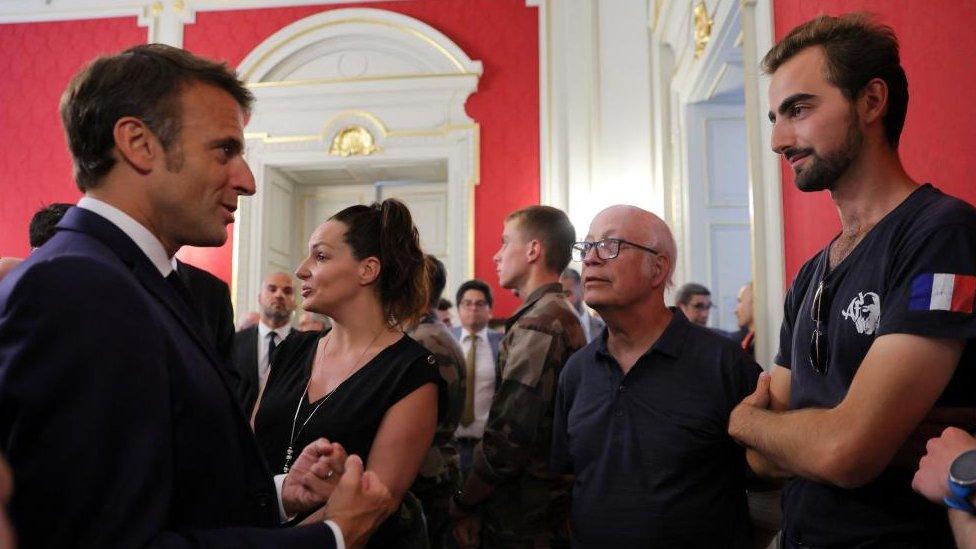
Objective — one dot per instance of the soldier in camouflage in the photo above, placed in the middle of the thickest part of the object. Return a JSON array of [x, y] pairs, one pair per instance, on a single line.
[[511, 499], [440, 474]]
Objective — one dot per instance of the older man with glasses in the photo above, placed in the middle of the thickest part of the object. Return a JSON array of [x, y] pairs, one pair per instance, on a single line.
[[641, 412]]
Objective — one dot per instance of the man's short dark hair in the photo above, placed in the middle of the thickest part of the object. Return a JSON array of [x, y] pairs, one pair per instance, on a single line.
[[44, 221], [144, 82], [857, 49], [690, 290], [573, 274], [444, 305], [475, 284], [436, 280], [551, 227]]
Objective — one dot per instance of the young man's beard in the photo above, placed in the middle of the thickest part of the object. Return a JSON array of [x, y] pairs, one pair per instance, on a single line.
[[822, 172]]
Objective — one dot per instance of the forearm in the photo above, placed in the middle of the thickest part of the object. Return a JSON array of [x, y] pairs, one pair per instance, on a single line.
[[763, 467], [795, 443], [963, 528]]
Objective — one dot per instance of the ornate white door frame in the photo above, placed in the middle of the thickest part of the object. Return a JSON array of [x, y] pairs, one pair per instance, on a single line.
[[361, 86]]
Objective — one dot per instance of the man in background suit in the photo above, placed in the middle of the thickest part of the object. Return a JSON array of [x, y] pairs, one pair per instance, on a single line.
[[480, 348], [124, 429], [253, 347], [573, 288]]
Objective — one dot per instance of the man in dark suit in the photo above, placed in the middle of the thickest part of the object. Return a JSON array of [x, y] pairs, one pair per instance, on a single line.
[[253, 347], [211, 298], [480, 348], [123, 429]]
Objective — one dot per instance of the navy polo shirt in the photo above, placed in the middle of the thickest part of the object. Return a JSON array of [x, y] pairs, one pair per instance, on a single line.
[[653, 461]]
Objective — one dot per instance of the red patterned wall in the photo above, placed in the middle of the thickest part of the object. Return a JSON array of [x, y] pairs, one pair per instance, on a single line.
[[502, 34], [937, 49], [37, 60]]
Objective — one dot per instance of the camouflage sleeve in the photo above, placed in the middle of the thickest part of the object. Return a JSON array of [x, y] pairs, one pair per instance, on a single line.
[[560, 460], [522, 401]]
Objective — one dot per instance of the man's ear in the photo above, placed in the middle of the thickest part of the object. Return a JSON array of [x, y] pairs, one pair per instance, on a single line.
[[872, 102], [136, 144], [369, 270], [663, 265], [533, 251]]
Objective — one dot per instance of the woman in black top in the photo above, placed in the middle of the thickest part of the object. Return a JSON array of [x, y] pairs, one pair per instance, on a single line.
[[363, 384]]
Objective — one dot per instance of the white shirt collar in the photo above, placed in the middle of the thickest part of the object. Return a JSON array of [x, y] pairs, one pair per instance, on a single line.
[[264, 330], [482, 334], [145, 240]]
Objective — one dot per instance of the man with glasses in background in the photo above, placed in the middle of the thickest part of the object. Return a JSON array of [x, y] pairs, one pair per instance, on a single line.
[[641, 414], [695, 301], [479, 345], [876, 348]]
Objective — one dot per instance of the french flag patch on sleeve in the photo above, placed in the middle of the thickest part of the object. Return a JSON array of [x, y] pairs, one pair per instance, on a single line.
[[943, 292]]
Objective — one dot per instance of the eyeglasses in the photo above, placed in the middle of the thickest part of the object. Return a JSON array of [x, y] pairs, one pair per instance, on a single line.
[[608, 248], [819, 311], [473, 304]]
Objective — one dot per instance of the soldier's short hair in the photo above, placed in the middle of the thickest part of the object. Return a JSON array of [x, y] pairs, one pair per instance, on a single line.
[[551, 227]]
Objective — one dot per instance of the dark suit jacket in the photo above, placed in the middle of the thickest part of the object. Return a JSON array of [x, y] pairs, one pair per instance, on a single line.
[[211, 296], [246, 366], [494, 339], [116, 416]]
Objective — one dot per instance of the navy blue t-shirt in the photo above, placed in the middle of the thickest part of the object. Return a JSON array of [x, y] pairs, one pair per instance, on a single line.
[[913, 273]]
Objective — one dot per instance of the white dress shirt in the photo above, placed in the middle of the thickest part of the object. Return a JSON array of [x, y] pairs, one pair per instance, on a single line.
[[145, 240], [484, 383], [153, 248], [263, 347]]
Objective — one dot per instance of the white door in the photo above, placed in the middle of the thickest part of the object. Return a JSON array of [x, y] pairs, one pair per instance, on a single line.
[[717, 235]]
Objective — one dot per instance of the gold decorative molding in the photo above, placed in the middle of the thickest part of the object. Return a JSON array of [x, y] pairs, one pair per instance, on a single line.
[[703, 28], [353, 141]]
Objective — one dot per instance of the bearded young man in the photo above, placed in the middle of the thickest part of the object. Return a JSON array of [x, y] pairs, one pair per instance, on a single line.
[[877, 332]]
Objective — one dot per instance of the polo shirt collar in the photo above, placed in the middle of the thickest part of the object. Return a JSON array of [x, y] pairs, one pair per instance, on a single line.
[[670, 343]]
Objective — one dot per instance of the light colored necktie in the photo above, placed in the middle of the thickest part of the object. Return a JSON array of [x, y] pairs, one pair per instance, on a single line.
[[468, 415]]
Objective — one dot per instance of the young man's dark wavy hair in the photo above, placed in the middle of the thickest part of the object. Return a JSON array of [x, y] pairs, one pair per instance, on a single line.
[[857, 49]]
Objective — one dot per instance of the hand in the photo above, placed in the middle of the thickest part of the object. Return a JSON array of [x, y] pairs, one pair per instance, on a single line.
[[467, 532], [323, 475], [303, 488], [759, 399], [359, 504], [931, 479]]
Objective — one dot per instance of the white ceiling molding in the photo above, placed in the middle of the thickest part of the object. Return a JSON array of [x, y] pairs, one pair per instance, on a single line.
[[164, 19]]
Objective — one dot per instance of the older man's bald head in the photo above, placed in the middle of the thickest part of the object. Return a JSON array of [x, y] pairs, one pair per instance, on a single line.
[[637, 225]]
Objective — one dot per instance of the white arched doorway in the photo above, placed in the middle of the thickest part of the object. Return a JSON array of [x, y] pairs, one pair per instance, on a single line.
[[355, 105]]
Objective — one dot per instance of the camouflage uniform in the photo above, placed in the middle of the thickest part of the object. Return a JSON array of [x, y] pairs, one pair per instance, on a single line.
[[529, 505], [440, 474]]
